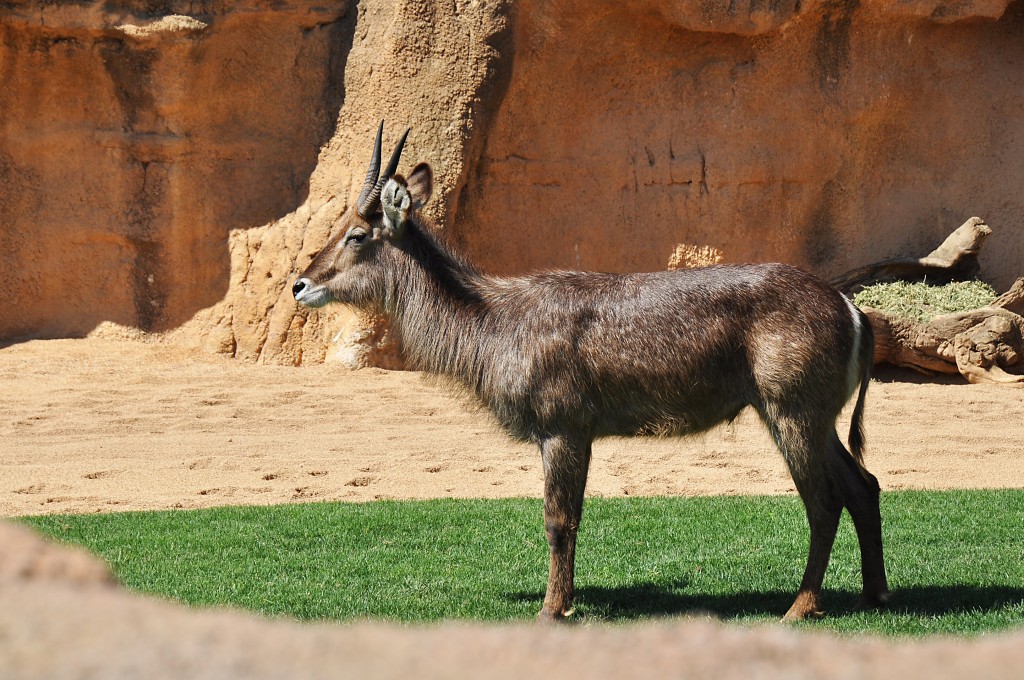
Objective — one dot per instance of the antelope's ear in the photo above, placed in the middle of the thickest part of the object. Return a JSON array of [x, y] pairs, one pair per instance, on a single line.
[[396, 202], [401, 197], [421, 185]]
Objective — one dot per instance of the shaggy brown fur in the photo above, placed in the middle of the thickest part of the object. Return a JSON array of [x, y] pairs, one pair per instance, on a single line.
[[561, 358]]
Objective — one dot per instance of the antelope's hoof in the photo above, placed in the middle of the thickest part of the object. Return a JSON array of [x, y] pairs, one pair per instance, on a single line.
[[801, 615], [805, 608], [874, 601], [547, 616]]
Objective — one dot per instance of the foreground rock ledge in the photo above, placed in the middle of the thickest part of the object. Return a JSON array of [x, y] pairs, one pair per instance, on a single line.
[[63, 618]]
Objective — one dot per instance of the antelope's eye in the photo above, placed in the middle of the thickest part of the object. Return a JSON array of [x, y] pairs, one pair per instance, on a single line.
[[356, 237]]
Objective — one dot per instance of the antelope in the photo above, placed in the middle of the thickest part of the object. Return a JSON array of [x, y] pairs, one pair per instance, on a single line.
[[562, 358]]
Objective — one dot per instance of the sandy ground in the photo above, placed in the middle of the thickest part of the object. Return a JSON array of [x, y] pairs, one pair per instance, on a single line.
[[103, 424]]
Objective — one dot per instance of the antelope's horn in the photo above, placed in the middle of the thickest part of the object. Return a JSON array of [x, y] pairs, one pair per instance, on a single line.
[[371, 174], [373, 199]]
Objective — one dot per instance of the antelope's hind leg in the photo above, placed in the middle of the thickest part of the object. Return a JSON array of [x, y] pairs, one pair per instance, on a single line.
[[823, 513], [861, 497], [566, 463], [803, 442]]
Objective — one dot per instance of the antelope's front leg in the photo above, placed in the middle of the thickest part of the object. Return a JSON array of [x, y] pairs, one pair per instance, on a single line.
[[566, 462]]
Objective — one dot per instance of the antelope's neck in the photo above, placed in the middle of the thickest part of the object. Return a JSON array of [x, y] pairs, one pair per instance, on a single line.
[[439, 311]]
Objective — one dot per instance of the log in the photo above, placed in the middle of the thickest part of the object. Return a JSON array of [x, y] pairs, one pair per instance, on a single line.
[[955, 260], [983, 345], [983, 351], [908, 344], [1013, 299]]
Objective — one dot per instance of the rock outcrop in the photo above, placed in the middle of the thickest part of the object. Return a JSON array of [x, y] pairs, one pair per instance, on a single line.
[[170, 170]]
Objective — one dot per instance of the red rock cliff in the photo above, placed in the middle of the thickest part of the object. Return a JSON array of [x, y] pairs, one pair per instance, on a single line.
[[169, 166]]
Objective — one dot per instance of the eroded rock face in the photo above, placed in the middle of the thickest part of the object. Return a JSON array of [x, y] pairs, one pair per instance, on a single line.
[[132, 146], [431, 66], [173, 171], [825, 134]]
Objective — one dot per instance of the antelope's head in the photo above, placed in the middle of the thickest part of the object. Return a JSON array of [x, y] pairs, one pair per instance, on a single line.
[[352, 266]]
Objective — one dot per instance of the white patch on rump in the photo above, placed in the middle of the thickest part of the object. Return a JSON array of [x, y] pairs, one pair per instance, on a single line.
[[852, 364]]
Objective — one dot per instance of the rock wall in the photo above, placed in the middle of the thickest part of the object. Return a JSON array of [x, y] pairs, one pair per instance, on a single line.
[[170, 166], [133, 144], [825, 134], [433, 66]]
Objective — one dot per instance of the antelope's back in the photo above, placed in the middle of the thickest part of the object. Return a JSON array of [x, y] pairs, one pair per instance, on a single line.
[[670, 353]]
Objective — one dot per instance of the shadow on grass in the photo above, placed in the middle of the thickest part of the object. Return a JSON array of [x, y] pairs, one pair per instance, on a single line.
[[646, 600]]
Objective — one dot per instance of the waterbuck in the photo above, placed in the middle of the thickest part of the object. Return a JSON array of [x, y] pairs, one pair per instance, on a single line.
[[564, 357]]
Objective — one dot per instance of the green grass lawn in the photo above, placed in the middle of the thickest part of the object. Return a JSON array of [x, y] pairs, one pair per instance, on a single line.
[[955, 559]]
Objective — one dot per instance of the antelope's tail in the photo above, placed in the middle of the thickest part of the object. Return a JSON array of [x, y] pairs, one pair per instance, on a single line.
[[866, 358]]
